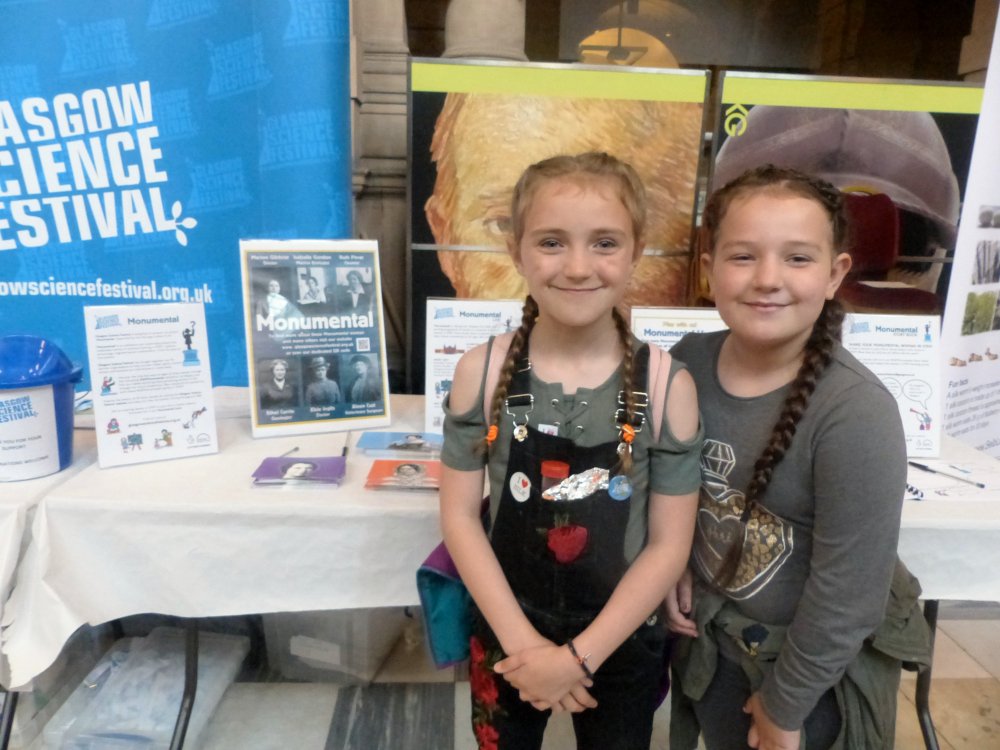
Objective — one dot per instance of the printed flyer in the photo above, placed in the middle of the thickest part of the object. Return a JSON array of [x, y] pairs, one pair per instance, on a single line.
[[152, 382], [454, 326], [904, 351], [665, 326], [315, 336]]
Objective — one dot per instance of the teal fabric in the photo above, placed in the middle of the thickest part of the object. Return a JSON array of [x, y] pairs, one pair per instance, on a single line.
[[447, 611]]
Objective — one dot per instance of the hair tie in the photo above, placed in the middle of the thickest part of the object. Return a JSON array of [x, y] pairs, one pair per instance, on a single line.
[[628, 433], [491, 434]]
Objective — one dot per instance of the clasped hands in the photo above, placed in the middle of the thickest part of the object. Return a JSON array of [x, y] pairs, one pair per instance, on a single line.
[[547, 676]]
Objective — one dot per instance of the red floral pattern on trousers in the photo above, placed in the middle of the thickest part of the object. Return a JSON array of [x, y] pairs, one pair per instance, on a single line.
[[482, 681]]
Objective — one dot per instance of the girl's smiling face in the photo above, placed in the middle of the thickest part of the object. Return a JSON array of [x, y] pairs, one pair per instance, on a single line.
[[577, 250], [773, 266]]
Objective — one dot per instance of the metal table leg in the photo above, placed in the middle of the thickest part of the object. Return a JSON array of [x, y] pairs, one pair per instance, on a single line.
[[8, 704], [924, 683], [190, 684]]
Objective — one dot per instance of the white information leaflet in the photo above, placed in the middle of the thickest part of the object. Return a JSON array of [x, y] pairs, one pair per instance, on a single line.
[[152, 382], [904, 351], [665, 326], [454, 326]]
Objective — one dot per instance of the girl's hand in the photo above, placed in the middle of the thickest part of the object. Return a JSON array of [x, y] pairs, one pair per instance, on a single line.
[[547, 677], [765, 734], [679, 601]]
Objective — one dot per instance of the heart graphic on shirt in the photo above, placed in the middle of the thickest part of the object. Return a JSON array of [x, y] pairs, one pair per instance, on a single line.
[[768, 544]]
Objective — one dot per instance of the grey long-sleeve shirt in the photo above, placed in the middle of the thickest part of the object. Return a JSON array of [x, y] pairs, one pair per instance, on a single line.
[[824, 543]]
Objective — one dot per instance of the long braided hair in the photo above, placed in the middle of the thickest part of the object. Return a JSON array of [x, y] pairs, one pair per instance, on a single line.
[[589, 167], [818, 350]]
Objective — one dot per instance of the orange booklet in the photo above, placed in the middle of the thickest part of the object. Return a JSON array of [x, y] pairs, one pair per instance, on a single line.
[[388, 474]]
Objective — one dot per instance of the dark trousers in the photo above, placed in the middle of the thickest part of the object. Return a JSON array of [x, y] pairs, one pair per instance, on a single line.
[[724, 726], [627, 688]]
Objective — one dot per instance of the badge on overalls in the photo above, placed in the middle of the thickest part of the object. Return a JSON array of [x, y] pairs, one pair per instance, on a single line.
[[520, 486], [620, 488]]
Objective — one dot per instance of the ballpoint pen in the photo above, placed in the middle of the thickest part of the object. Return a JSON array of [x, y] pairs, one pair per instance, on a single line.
[[925, 467]]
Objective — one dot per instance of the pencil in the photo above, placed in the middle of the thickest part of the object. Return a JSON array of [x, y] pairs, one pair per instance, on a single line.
[[925, 467]]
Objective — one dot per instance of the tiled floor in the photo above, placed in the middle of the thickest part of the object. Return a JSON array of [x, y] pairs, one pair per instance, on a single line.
[[412, 707]]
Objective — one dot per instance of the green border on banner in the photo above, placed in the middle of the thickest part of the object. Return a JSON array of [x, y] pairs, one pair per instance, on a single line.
[[573, 82], [829, 94]]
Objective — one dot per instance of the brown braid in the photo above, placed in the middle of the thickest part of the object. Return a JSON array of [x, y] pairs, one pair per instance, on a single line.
[[818, 350], [817, 356], [625, 461], [518, 344]]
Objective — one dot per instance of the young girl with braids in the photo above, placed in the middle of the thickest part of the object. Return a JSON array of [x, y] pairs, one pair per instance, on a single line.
[[568, 585], [803, 476]]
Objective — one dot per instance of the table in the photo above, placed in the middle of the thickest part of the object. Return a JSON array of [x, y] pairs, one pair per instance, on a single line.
[[17, 504], [18, 501], [951, 542], [193, 538]]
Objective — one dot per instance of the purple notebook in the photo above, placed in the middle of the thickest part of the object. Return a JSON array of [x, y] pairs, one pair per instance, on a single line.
[[299, 469]]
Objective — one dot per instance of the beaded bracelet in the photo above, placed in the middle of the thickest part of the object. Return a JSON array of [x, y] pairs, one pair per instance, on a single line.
[[581, 660]]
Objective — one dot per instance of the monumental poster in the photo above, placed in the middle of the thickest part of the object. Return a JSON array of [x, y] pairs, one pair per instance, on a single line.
[[315, 336]]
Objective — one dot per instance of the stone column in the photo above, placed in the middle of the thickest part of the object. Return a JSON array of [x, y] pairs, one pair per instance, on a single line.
[[379, 149], [485, 29], [975, 56]]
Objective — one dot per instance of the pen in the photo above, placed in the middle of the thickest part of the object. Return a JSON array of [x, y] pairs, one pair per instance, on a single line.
[[347, 441], [289, 452], [925, 467]]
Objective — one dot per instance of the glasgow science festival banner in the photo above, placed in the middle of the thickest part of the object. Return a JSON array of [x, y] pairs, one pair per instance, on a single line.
[[141, 139]]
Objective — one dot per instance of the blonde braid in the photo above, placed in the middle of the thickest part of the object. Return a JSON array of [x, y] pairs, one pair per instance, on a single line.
[[518, 344], [625, 461]]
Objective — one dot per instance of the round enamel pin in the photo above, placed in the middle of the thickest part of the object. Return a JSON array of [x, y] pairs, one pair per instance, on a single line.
[[620, 488], [520, 486]]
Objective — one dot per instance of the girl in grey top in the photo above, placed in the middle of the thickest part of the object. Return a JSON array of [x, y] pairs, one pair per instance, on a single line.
[[803, 472]]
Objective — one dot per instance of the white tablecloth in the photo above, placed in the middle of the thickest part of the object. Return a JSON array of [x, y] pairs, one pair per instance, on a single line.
[[194, 538], [951, 542], [18, 499]]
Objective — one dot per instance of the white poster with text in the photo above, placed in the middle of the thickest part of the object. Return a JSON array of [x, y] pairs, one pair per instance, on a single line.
[[904, 352], [454, 326], [152, 382]]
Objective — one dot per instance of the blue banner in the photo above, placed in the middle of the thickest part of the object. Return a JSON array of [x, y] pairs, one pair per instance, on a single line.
[[140, 140]]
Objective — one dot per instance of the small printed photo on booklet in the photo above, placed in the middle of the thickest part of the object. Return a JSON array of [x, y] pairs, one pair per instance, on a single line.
[[387, 474], [300, 470], [421, 445]]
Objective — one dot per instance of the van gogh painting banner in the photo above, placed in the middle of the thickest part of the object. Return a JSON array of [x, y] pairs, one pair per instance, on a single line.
[[476, 126], [140, 139]]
